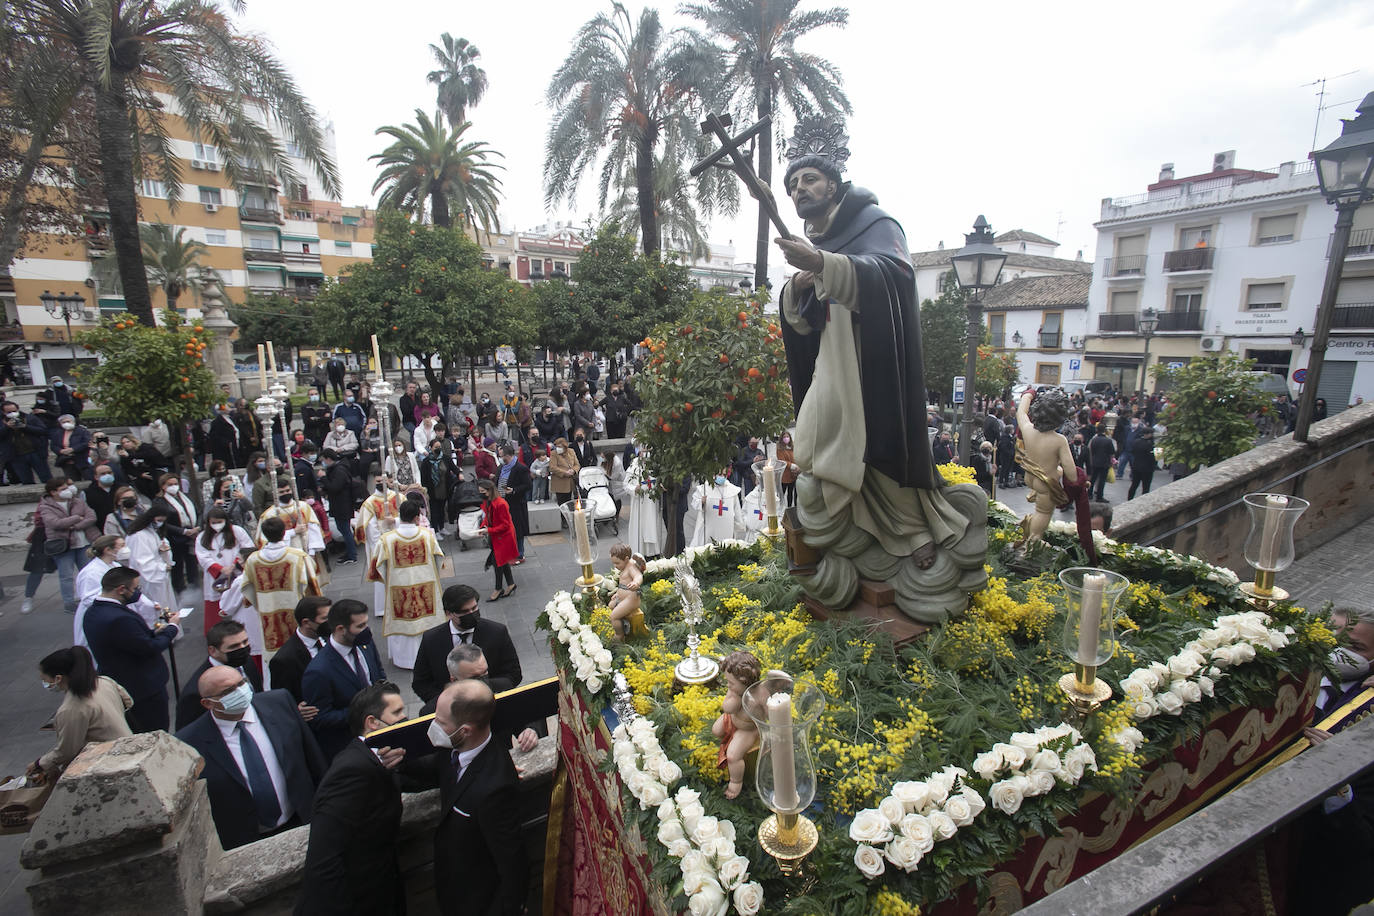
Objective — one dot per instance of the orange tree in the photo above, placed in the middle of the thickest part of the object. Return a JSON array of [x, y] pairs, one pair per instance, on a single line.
[[996, 372], [145, 373], [720, 374]]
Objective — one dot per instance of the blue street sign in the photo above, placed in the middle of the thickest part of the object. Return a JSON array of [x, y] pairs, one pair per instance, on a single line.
[[958, 389], [1299, 375], [1075, 365]]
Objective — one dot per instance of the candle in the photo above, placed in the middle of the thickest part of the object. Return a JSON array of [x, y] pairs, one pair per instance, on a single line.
[[770, 491], [1090, 618], [780, 737], [262, 368], [584, 541], [1269, 540], [271, 361], [376, 354]]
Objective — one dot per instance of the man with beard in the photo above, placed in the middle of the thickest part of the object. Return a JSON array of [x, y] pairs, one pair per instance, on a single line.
[[868, 494]]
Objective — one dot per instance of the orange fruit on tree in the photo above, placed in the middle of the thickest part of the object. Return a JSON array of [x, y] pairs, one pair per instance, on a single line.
[[667, 427], [761, 395], [743, 316], [687, 406], [724, 360], [199, 329], [754, 372]]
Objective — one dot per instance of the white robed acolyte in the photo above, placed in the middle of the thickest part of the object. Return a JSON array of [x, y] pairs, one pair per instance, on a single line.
[[407, 561], [755, 518], [310, 544], [374, 518], [719, 514], [648, 535]]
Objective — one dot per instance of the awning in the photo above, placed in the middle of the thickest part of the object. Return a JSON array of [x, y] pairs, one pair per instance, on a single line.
[[300, 238], [305, 272], [274, 268], [1114, 357]]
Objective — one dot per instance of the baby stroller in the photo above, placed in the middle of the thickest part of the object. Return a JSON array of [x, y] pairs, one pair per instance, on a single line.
[[596, 496], [467, 501]]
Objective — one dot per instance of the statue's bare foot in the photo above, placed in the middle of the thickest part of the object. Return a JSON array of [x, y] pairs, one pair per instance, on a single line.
[[734, 788], [924, 557]]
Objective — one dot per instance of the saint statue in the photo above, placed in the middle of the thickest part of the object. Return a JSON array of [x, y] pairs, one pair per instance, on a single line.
[[868, 495]]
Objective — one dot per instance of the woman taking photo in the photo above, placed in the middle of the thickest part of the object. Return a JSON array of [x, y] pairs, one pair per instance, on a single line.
[[127, 508], [64, 528], [220, 552], [142, 462], [92, 709], [151, 554], [500, 529]]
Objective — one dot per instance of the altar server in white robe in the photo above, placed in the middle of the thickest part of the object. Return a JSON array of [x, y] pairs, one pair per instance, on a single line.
[[303, 530], [648, 535], [720, 512], [754, 519], [407, 561], [375, 517]]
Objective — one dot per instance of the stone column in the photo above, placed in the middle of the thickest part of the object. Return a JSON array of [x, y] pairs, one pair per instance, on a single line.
[[221, 350], [127, 830]]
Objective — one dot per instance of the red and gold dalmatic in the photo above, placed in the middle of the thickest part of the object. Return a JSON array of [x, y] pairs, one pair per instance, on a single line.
[[408, 565], [274, 581]]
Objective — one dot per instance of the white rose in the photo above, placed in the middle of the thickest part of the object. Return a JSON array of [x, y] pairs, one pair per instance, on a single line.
[[733, 871], [594, 684], [1144, 709], [679, 848], [1082, 756], [892, 809], [1161, 670], [1277, 640], [749, 898], [1008, 794], [1252, 629], [1012, 755], [987, 764], [1226, 633], [719, 849], [942, 825], [727, 830], [1207, 640], [584, 669], [1170, 703], [1244, 652], [704, 830], [954, 772], [904, 853], [1224, 656], [913, 795], [1185, 664], [1145, 676], [565, 635], [1046, 760], [669, 831], [1136, 689], [917, 829], [939, 785], [690, 814], [959, 811], [667, 811], [710, 900], [871, 827], [1041, 782], [669, 772], [1206, 685], [1026, 741], [686, 796], [695, 861], [976, 804], [1187, 691], [652, 794], [868, 861]]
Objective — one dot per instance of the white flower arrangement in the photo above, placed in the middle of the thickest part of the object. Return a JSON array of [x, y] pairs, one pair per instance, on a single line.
[[1165, 688], [1029, 768], [911, 819], [714, 875], [588, 657]]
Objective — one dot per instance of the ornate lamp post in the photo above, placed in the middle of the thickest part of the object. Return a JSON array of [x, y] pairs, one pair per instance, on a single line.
[[977, 266], [1345, 168], [1149, 321], [64, 306]]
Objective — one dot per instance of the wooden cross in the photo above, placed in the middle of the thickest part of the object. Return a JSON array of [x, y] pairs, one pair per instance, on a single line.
[[739, 164]]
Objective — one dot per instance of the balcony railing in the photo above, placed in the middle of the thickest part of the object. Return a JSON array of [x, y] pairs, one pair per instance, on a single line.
[[263, 254], [269, 291], [261, 214], [1049, 340], [1118, 323], [11, 332], [301, 257], [1132, 265], [1189, 259], [1361, 244], [1353, 315], [1180, 321], [260, 177]]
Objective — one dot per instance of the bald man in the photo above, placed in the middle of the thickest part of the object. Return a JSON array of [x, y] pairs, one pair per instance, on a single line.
[[261, 761], [479, 857]]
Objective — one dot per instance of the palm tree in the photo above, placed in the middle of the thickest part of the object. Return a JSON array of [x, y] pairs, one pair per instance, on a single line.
[[674, 207], [429, 163], [765, 67], [461, 82], [222, 83], [625, 86], [172, 261]]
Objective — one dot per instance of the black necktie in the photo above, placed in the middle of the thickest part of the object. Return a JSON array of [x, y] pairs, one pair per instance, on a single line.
[[259, 779], [360, 667]]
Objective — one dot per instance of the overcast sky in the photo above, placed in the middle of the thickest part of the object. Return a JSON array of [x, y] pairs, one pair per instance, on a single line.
[[1028, 113]]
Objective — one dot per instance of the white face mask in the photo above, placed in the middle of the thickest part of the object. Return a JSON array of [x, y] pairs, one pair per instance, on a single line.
[[173, 490], [217, 526], [68, 493], [69, 426], [437, 736], [560, 450], [123, 553], [340, 426]]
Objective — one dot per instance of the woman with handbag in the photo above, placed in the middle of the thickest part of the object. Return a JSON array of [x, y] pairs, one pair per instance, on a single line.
[[64, 527], [500, 531]]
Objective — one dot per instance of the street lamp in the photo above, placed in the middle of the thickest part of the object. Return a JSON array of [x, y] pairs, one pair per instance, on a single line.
[[1344, 170], [64, 306], [1149, 321], [976, 266], [1298, 338]]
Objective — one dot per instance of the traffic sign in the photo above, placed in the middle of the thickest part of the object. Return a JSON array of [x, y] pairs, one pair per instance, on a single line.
[[1175, 365], [1300, 375], [1075, 365], [958, 389]]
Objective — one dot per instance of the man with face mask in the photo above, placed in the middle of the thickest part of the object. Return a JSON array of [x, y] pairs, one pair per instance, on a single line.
[[128, 650], [227, 645], [352, 414], [302, 526], [617, 410], [467, 661], [348, 663], [261, 762], [464, 625]]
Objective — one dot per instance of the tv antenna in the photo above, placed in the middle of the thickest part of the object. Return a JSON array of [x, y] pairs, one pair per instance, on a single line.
[[1321, 99]]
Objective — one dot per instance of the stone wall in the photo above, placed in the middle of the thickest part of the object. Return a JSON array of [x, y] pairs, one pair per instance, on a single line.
[[1203, 515]]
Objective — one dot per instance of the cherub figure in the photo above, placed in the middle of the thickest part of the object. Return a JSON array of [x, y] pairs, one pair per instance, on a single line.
[[1043, 453], [624, 602], [737, 732]]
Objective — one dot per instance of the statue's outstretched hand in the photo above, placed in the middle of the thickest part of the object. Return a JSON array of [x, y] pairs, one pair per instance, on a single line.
[[801, 254]]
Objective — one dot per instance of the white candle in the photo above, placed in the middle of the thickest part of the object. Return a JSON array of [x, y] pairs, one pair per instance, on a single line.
[[271, 361], [780, 736], [770, 491], [262, 368], [584, 541], [1090, 618], [376, 355], [1269, 540]]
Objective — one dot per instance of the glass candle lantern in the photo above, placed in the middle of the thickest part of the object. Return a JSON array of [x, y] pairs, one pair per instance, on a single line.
[[768, 474], [786, 774], [1090, 597], [1269, 546], [581, 527]]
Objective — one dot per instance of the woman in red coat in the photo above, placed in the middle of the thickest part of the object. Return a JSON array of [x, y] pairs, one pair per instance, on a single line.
[[496, 522]]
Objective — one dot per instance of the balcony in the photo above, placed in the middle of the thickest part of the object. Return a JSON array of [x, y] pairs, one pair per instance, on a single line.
[[269, 291], [261, 215], [261, 177], [304, 292], [1188, 259], [1132, 265], [1049, 340], [262, 254], [1353, 315], [1122, 323], [11, 332], [301, 257], [1180, 321], [1361, 244]]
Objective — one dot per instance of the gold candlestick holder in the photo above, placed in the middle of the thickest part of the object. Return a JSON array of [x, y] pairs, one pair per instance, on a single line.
[[789, 839], [589, 581], [1085, 692], [1263, 594], [774, 530]]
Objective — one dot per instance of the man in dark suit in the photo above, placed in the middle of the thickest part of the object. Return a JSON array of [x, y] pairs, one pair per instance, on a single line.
[[514, 481], [128, 650], [479, 858], [226, 644], [351, 864], [261, 762], [464, 624], [467, 661], [288, 665], [348, 662]]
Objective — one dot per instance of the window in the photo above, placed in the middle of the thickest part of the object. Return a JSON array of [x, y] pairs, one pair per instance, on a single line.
[[216, 237], [211, 196], [559, 265], [997, 329], [501, 242], [294, 149], [1130, 246], [1051, 324], [1047, 373], [151, 188], [1124, 301], [343, 247], [206, 153], [1188, 300], [262, 244], [1195, 237], [1264, 297], [1276, 229]]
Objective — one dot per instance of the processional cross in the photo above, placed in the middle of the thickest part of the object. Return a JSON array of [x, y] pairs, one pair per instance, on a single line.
[[739, 163]]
